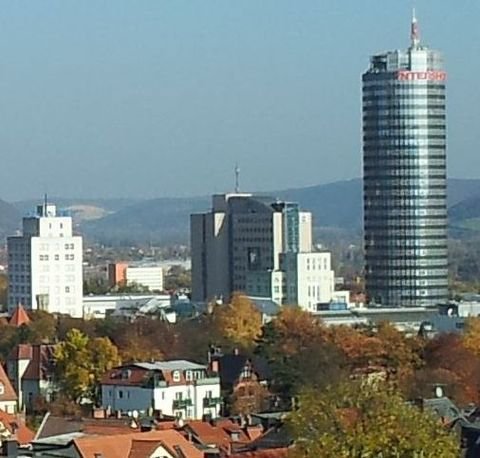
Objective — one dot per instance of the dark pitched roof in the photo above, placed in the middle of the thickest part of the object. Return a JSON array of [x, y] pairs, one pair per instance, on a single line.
[[276, 437], [42, 363], [230, 367]]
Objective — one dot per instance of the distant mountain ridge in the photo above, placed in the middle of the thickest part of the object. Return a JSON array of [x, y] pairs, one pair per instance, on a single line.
[[166, 220]]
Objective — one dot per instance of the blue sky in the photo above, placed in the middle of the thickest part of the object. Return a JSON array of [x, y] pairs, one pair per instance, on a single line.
[[151, 98]]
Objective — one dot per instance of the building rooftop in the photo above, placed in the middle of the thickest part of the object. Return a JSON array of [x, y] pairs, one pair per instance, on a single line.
[[176, 365]]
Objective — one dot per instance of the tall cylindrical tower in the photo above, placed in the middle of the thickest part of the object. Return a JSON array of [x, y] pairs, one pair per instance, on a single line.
[[404, 179]]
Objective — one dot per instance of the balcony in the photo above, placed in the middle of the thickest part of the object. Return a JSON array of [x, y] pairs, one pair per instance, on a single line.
[[179, 404], [211, 402]]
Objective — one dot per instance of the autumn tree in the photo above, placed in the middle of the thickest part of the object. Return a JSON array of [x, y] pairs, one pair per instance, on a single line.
[[296, 347], [450, 364], [471, 335], [80, 363], [382, 348], [356, 420], [238, 322]]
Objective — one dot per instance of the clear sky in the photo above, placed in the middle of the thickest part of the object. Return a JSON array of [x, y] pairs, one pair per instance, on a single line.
[[150, 98]]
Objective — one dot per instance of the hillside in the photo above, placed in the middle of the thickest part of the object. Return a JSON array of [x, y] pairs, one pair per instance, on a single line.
[[166, 220], [334, 205]]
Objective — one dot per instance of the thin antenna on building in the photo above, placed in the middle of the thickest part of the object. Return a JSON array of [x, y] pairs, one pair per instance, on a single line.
[[414, 31], [45, 204], [237, 179]]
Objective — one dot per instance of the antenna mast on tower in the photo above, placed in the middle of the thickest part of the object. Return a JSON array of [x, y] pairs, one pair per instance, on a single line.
[[237, 179]]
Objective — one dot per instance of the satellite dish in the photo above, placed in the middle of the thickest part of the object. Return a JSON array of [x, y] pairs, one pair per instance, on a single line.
[[450, 312], [439, 392], [129, 413], [135, 414]]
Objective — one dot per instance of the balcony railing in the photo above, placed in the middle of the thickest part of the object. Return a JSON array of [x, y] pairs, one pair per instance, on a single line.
[[211, 402], [181, 404]]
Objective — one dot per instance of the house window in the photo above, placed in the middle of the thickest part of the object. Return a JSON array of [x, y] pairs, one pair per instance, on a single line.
[[176, 376], [189, 375], [178, 395], [120, 394], [2, 388]]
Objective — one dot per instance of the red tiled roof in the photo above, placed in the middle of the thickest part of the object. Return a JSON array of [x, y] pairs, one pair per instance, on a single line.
[[142, 448], [114, 376], [21, 351], [19, 317], [254, 432], [41, 363], [267, 453], [218, 435], [11, 423], [121, 446], [8, 391]]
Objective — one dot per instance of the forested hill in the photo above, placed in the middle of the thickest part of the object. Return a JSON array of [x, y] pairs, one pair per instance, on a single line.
[[335, 205]]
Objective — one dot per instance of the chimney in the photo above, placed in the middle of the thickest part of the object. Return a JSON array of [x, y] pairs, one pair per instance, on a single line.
[[214, 366], [10, 448]]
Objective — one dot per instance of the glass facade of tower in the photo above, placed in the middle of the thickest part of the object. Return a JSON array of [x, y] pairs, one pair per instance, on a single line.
[[405, 213]]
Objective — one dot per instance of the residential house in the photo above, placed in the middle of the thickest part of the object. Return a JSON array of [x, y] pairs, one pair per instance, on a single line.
[[8, 397], [12, 427], [31, 369], [182, 389], [221, 435], [244, 380], [152, 444]]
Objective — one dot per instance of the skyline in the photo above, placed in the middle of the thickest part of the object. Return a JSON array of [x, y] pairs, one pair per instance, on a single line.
[[271, 86]]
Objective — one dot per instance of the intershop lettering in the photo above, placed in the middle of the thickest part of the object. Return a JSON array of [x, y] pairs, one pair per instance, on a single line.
[[405, 75]]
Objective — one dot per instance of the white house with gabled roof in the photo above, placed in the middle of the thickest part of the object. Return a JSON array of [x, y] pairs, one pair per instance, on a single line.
[[180, 388]]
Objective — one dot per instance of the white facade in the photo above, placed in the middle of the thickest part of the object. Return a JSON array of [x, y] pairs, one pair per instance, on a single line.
[[102, 305], [148, 276], [309, 279], [45, 264], [177, 388]]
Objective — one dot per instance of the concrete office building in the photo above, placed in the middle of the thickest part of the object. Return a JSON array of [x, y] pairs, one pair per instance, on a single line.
[[45, 264], [405, 212], [259, 246]]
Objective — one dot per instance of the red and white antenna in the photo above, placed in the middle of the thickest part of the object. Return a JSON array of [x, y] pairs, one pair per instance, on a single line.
[[414, 31]]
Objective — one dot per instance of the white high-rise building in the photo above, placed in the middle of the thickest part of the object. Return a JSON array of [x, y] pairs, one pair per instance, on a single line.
[[45, 264]]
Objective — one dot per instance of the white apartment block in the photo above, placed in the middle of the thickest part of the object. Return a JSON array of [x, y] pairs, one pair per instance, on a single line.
[[181, 389], [148, 276], [309, 279], [45, 264]]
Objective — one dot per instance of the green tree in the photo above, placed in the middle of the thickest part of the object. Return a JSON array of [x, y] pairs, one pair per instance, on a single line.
[[359, 420], [81, 362], [73, 365]]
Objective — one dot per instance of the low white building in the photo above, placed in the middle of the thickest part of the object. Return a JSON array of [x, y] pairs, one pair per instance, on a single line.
[[181, 389], [119, 304], [150, 276]]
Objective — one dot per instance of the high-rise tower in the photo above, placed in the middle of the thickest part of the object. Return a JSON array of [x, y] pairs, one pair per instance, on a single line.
[[404, 165]]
